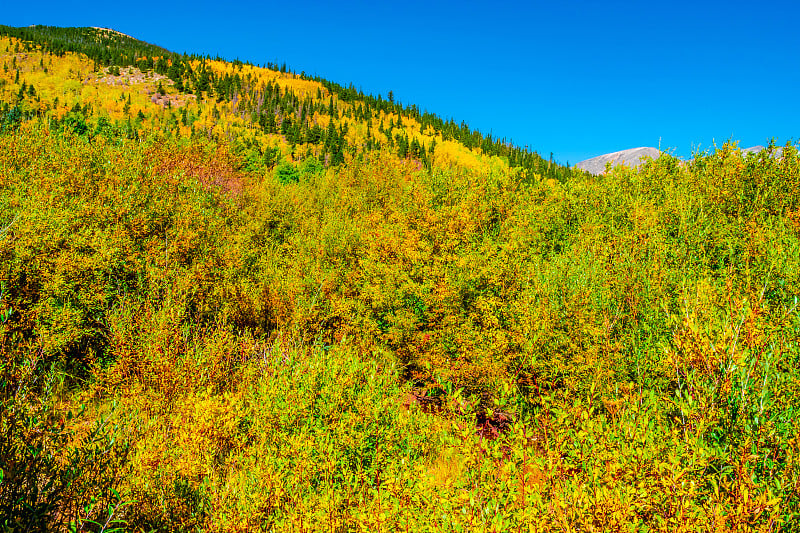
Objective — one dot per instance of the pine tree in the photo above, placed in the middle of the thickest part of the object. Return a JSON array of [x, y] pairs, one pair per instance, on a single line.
[[402, 146]]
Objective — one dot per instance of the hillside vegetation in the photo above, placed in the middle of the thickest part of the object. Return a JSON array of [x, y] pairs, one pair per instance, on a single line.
[[213, 319]]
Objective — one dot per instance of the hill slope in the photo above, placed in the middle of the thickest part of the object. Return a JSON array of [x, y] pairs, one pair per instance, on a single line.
[[271, 113]]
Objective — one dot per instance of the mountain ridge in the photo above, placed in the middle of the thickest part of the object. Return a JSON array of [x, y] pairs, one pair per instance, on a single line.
[[635, 157], [629, 157], [265, 108]]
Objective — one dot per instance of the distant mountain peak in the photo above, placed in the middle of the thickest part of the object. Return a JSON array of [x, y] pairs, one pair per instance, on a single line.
[[632, 157], [635, 157]]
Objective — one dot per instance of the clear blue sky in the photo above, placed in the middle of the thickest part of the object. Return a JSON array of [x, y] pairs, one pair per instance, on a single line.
[[577, 79]]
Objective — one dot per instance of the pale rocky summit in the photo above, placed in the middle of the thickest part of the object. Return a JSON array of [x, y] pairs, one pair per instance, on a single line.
[[633, 157], [776, 152], [752, 149]]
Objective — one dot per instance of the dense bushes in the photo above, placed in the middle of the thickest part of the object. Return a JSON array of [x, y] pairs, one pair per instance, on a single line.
[[261, 332], [58, 468]]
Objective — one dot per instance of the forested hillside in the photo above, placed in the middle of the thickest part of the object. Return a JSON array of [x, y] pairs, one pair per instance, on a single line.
[[270, 112], [237, 298]]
